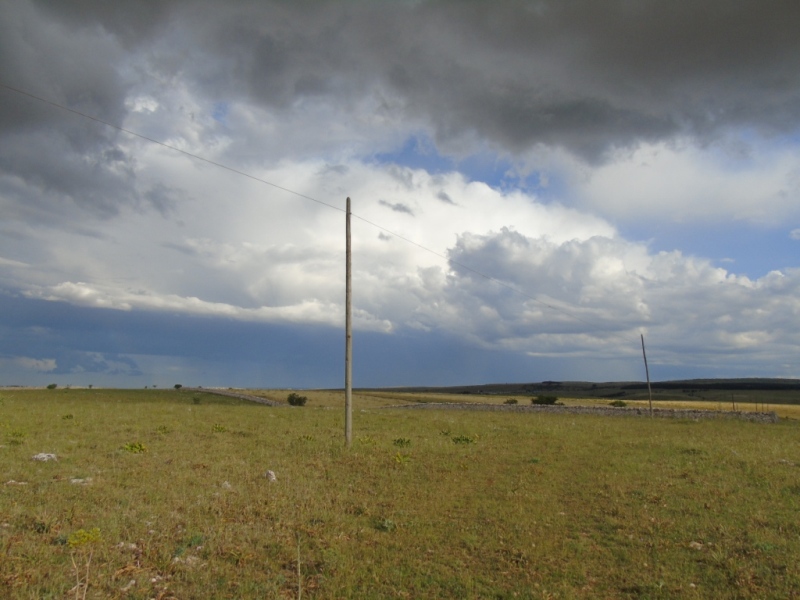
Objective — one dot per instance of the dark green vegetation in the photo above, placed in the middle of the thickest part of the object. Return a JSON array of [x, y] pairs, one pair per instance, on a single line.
[[296, 399], [545, 400], [747, 391], [156, 496]]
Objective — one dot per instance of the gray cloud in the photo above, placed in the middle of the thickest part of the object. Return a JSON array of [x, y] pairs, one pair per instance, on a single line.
[[397, 207], [445, 197], [584, 76]]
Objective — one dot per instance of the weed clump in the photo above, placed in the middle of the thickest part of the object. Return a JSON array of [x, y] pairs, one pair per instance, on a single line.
[[510, 401], [82, 537], [402, 442], [618, 403], [385, 525], [296, 399], [135, 448], [464, 439], [401, 458]]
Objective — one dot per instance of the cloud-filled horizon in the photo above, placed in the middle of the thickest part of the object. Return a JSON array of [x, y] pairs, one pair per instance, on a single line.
[[535, 184]]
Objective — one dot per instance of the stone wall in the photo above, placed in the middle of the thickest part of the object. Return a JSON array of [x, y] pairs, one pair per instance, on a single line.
[[612, 411]]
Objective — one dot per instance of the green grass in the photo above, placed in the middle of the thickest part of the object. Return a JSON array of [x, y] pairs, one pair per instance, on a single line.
[[172, 494]]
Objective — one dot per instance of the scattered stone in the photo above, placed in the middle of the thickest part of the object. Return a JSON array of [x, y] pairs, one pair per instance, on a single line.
[[695, 545], [44, 457], [131, 583], [129, 546], [226, 485], [79, 481], [12, 482], [189, 561], [270, 475]]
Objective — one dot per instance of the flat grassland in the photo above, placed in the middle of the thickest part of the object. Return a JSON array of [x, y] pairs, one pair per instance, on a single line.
[[165, 494]]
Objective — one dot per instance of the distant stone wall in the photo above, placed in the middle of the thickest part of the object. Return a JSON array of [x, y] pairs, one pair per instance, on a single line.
[[238, 395], [611, 411]]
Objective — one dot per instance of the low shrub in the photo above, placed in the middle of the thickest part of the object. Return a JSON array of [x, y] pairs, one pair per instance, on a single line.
[[52, 386], [540, 399], [511, 401], [618, 403], [296, 399]]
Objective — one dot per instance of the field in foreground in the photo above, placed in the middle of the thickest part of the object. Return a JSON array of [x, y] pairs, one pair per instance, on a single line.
[[161, 494]]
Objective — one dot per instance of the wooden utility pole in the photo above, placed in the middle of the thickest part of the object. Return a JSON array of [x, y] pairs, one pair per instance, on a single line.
[[647, 371], [348, 336]]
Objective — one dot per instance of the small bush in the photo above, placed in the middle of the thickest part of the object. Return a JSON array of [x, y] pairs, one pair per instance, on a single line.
[[511, 401], [178, 386], [402, 442], [52, 386], [618, 403], [217, 428], [195, 399], [547, 400], [296, 399]]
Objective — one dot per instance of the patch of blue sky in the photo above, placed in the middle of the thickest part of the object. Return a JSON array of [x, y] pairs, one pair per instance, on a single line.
[[486, 166], [417, 152], [747, 147], [220, 112], [739, 248]]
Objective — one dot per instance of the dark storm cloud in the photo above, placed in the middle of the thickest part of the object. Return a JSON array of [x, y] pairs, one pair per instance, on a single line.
[[586, 76], [51, 159]]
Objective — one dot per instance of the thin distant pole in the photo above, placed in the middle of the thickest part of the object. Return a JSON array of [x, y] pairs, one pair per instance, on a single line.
[[647, 371], [348, 335]]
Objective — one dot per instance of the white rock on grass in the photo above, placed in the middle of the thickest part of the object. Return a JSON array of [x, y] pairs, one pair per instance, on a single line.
[[270, 475], [44, 456]]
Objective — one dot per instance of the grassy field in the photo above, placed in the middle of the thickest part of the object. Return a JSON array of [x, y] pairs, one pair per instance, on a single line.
[[164, 494]]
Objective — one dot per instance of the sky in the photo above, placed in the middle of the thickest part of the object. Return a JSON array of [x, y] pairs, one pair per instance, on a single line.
[[535, 185]]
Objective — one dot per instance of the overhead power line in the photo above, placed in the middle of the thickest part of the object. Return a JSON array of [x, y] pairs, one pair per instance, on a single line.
[[220, 165], [165, 145]]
